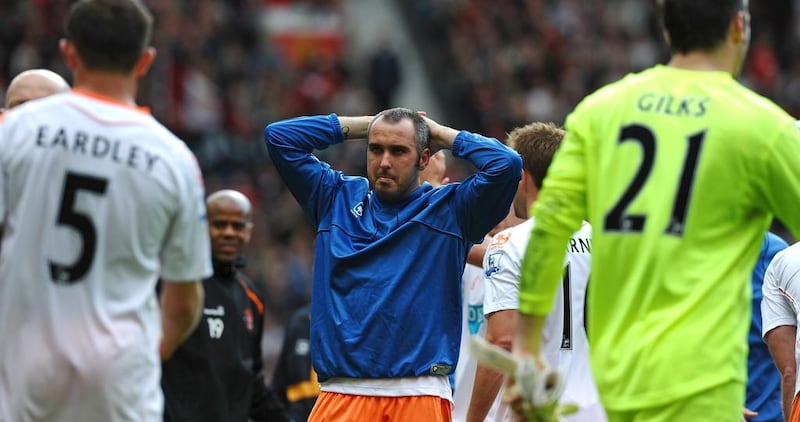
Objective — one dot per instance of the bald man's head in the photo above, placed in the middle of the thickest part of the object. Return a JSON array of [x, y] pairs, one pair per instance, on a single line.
[[32, 84], [233, 197], [230, 223]]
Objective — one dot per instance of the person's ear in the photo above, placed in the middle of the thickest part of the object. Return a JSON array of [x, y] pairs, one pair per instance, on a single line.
[[525, 180], [145, 61], [528, 181], [248, 232], [69, 53], [740, 27], [424, 159]]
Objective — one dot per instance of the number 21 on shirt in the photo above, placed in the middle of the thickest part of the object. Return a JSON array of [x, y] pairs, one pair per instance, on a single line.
[[618, 219]]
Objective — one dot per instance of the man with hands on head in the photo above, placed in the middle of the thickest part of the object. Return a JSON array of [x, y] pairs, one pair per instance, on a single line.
[[390, 252]]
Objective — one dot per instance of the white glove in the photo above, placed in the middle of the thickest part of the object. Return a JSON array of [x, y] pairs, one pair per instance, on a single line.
[[536, 385]]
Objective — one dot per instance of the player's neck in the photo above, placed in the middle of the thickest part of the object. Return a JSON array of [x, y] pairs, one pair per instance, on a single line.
[[714, 61], [114, 86], [526, 215]]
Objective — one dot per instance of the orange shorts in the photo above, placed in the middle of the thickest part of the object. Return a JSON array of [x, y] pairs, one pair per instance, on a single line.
[[795, 415], [336, 407]]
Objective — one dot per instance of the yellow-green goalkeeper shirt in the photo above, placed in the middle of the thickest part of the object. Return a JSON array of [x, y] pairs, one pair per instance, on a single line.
[[679, 173]]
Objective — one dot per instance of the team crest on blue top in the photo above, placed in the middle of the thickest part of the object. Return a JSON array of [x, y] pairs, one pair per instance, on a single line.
[[358, 210], [493, 263]]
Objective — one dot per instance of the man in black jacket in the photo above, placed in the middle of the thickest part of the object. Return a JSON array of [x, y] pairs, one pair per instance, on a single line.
[[216, 374]]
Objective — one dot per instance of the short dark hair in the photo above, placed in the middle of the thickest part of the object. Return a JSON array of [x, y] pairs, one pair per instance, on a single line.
[[537, 143], [109, 35], [697, 24], [422, 134]]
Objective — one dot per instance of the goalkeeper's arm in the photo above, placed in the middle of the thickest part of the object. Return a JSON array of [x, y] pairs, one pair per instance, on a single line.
[[528, 338], [521, 389]]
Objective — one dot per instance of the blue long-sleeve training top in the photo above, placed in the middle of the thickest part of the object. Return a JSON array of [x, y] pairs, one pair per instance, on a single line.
[[386, 295]]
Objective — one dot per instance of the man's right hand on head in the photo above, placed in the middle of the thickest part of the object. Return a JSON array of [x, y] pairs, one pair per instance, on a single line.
[[442, 137]]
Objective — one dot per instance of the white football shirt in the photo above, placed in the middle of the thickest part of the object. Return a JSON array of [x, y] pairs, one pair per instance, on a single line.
[[564, 342], [780, 295], [473, 324], [97, 200]]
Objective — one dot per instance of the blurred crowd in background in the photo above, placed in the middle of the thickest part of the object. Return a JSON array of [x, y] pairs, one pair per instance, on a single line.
[[510, 62], [226, 68]]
